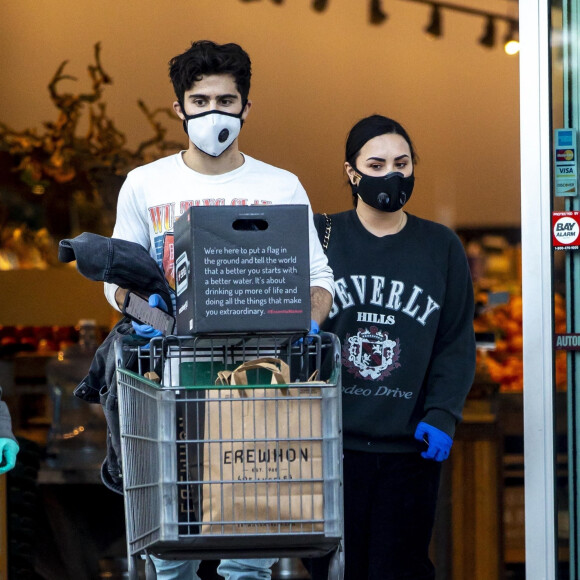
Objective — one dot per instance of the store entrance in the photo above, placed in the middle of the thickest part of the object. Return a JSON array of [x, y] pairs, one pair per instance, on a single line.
[[550, 118]]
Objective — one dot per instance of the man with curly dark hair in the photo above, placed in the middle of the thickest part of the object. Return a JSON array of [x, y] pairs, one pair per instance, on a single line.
[[212, 84]]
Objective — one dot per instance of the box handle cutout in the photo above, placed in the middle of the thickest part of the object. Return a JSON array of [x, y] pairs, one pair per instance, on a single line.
[[250, 224]]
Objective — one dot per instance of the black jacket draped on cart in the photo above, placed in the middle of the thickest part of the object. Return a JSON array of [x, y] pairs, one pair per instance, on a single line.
[[130, 266]]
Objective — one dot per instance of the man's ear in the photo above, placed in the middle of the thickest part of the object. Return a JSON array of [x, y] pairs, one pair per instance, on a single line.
[[246, 110], [178, 110]]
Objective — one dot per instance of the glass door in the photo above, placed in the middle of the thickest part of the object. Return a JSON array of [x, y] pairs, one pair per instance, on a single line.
[[550, 118]]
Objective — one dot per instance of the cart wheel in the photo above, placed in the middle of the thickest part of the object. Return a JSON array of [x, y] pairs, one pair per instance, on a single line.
[[150, 570], [132, 569], [336, 565]]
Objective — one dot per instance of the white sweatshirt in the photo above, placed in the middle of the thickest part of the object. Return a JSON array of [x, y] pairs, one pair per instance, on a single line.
[[154, 195]]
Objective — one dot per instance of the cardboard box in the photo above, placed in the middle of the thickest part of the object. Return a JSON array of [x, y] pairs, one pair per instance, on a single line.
[[242, 269]]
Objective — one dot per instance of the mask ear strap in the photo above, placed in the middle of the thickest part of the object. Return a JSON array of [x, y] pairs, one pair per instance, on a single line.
[[244, 103], [184, 122]]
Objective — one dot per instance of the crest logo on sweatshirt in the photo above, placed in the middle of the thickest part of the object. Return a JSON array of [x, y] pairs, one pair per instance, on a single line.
[[371, 354]]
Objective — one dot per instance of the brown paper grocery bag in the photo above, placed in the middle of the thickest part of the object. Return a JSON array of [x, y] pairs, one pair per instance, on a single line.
[[262, 455]]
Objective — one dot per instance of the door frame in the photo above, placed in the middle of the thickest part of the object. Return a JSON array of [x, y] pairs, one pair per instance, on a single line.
[[535, 150]]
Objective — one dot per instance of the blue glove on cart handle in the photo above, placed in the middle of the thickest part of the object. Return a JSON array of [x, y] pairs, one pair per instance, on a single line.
[[439, 443], [314, 328]]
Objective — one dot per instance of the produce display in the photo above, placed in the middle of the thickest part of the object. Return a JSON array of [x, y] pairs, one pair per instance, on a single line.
[[504, 364]]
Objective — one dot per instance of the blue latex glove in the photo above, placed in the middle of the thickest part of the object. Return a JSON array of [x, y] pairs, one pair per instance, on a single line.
[[439, 443], [314, 329], [146, 330], [8, 451]]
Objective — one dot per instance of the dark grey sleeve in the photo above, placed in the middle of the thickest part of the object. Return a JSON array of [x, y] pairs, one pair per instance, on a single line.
[[452, 366], [5, 421]]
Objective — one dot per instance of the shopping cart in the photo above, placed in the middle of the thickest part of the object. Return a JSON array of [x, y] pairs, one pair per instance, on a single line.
[[201, 461]]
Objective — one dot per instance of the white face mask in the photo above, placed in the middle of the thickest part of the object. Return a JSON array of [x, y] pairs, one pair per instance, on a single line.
[[213, 131]]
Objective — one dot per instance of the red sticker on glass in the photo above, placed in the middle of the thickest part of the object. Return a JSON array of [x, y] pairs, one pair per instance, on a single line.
[[565, 230]]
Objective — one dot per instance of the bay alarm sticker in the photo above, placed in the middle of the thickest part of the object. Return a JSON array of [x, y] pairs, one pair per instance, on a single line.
[[566, 230]]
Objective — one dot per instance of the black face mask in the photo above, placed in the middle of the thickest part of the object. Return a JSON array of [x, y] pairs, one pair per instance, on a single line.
[[388, 193]]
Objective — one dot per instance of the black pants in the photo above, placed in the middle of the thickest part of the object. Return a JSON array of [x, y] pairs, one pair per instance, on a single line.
[[389, 512]]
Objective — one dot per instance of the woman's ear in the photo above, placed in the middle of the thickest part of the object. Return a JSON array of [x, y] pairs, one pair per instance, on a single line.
[[353, 176]]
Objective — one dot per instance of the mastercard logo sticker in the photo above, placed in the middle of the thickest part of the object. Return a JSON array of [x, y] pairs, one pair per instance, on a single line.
[[565, 155]]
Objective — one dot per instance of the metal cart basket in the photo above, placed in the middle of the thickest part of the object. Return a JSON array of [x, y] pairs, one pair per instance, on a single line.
[[251, 470]]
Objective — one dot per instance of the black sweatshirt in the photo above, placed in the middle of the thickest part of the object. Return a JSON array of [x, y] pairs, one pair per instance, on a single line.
[[403, 311]]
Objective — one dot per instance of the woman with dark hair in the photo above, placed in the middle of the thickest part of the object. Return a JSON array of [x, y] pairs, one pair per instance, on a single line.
[[403, 311]]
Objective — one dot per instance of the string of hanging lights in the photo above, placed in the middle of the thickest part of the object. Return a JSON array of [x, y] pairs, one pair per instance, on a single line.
[[434, 28], [488, 37]]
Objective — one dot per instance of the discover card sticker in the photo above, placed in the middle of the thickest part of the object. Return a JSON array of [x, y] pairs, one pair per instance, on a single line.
[[565, 230]]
